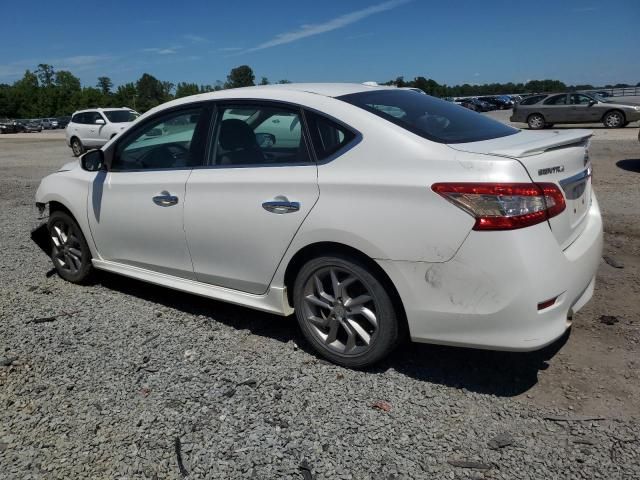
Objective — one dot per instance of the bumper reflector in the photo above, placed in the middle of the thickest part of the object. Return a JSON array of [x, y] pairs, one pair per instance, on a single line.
[[547, 303]]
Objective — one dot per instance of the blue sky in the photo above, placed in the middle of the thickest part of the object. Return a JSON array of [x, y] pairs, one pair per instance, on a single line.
[[200, 41]]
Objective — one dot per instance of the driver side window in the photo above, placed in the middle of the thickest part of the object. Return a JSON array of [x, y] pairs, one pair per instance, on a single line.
[[168, 142]]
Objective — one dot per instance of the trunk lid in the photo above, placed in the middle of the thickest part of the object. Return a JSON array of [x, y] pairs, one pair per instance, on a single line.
[[560, 157]]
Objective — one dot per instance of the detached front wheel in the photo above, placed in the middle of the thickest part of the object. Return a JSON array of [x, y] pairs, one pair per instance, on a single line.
[[69, 250], [345, 312]]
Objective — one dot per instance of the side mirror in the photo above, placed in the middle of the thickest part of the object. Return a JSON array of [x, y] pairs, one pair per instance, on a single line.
[[99, 121], [92, 161], [265, 140], [592, 103]]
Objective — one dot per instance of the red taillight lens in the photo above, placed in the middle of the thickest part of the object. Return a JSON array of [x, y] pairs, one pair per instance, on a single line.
[[504, 206]]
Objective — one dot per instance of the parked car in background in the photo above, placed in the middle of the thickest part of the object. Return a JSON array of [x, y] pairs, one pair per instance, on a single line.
[[30, 126], [10, 126], [63, 122], [46, 124], [542, 111], [367, 211], [498, 103], [94, 127], [53, 122], [475, 104]]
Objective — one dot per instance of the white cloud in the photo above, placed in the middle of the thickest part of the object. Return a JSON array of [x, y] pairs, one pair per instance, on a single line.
[[194, 38], [339, 22], [230, 49], [161, 51], [74, 63]]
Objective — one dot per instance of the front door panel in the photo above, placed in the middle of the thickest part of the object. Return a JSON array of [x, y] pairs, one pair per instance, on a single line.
[[134, 221]]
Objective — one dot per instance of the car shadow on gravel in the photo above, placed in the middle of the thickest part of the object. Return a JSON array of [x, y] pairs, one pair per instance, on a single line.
[[503, 374], [630, 165]]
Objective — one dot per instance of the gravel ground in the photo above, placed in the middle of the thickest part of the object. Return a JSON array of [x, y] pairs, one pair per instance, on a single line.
[[114, 379]]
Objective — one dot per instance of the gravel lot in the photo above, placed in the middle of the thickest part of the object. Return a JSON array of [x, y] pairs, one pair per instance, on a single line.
[[120, 375]]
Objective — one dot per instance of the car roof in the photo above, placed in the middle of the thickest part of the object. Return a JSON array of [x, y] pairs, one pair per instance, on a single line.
[[110, 109], [324, 89]]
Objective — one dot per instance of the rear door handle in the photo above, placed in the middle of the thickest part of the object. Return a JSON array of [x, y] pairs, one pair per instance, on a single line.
[[165, 199], [281, 206]]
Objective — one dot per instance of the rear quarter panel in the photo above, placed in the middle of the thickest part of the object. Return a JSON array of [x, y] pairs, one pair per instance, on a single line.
[[377, 197]]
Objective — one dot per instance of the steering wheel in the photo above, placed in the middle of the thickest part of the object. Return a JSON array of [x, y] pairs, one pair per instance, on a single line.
[[163, 156]]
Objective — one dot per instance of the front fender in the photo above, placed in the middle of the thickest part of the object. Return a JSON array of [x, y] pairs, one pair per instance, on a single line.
[[70, 189]]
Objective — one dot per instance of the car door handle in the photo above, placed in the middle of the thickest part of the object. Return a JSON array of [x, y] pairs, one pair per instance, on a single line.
[[281, 206], [165, 199]]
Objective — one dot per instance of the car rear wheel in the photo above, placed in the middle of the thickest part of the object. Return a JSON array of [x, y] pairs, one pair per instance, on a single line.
[[614, 119], [344, 311], [536, 121], [69, 250], [77, 147]]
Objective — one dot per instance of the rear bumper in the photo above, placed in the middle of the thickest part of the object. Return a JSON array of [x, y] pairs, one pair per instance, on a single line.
[[487, 295]]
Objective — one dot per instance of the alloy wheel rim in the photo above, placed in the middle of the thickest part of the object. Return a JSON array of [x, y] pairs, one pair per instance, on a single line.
[[536, 121], [340, 311], [613, 120], [76, 147], [67, 250]]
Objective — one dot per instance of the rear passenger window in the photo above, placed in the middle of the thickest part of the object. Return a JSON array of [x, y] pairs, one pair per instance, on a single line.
[[260, 135], [556, 100], [327, 136], [532, 100]]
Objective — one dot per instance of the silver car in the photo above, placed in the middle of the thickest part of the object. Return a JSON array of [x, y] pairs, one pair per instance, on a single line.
[[540, 111]]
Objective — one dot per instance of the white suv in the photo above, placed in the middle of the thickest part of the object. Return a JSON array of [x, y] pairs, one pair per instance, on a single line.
[[95, 127]]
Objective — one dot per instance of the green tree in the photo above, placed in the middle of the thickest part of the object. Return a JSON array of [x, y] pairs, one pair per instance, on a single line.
[[46, 74], [264, 81], [282, 82], [241, 76], [67, 89], [105, 85], [150, 92], [26, 91], [125, 96], [184, 89]]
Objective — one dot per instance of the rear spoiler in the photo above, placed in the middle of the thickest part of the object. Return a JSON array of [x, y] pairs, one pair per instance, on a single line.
[[535, 147]]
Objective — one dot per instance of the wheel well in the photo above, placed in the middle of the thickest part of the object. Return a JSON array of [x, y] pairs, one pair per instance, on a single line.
[[614, 110], [59, 207], [322, 249]]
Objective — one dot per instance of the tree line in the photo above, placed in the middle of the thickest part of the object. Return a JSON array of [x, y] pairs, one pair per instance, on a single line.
[[46, 92]]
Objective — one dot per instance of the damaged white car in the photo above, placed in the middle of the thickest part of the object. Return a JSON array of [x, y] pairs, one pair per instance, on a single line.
[[373, 213]]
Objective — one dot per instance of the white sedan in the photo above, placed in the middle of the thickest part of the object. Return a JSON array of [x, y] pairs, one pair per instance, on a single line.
[[374, 213]]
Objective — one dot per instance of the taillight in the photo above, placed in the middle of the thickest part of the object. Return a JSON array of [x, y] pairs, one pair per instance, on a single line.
[[504, 206]]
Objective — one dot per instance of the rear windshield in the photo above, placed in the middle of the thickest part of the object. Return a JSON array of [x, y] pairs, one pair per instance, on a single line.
[[120, 116], [429, 117]]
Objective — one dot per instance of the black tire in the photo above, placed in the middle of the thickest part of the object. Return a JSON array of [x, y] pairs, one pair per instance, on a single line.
[[348, 346], [614, 119], [549, 125], [70, 253], [77, 147], [536, 121]]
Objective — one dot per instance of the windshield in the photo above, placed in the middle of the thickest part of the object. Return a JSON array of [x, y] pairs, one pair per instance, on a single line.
[[120, 116], [429, 117]]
